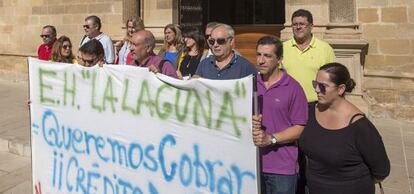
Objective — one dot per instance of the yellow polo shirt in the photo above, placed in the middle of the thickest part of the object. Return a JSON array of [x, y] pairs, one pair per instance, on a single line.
[[303, 65]]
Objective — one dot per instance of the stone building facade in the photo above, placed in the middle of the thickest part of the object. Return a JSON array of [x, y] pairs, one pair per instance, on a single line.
[[374, 38]]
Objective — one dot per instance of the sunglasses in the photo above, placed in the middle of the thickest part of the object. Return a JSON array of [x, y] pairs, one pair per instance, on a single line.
[[44, 36], [220, 41], [207, 36], [67, 46], [322, 86]]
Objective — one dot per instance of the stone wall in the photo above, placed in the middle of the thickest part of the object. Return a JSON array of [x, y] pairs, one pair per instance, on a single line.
[[388, 25], [387, 77], [21, 22]]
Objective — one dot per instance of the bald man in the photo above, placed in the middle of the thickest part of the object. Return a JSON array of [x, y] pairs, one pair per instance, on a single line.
[[142, 49]]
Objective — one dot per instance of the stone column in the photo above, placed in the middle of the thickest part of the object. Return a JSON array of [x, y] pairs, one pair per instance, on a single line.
[[341, 11], [130, 8], [344, 35]]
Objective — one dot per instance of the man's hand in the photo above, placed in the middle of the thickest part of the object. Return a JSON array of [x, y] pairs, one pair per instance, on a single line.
[[153, 68], [260, 137]]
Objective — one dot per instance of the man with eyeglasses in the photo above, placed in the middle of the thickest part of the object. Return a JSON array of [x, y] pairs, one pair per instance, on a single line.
[[209, 27], [224, 63], [91, 54], [142, 49], [304, 53], [281, 120], [92, 28], [48, 36]]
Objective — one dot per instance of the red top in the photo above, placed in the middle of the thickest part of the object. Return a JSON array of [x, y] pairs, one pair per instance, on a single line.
[[129, 59], [45, 51]]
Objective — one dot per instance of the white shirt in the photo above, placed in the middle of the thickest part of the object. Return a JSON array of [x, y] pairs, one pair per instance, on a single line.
[[107, 45]]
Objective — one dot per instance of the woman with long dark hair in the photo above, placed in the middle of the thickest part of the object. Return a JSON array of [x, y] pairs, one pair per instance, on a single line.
[[62, 51], [194, 50]]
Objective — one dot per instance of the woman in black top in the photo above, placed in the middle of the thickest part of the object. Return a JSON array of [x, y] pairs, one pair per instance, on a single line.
[[188, 62], [344, 150]]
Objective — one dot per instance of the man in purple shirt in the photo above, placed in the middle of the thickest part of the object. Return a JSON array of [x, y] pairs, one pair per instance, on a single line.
[[142, 49], [283, 113]]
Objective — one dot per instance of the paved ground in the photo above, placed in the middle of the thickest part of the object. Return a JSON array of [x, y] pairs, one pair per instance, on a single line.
[[15, 171]]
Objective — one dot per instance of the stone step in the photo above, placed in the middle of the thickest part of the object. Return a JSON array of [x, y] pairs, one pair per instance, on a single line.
[[15, 146]]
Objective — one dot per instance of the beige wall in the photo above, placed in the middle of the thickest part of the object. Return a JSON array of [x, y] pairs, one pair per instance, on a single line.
[[387, 73], [386, 77], [21, 22], [388, 25]]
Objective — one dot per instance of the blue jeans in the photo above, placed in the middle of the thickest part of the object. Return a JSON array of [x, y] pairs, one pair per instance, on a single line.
[[278, 184]]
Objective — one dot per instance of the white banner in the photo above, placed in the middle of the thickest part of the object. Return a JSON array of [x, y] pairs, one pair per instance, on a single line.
[[124, 130]]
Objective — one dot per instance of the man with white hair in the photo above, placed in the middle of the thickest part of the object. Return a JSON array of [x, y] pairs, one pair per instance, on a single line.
[[224, 63]]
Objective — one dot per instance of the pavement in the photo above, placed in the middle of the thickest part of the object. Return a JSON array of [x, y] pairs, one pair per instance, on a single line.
[[15, 161]]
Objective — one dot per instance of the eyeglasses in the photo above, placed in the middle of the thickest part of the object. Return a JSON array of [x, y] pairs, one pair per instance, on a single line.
[[322, 86], [88, 63], [86, 26], [45, 36], [67, 46], [297, 25], [220, 41]]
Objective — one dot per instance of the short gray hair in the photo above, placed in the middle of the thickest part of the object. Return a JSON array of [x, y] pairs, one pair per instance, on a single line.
[[212, 24], [228, 28], [149, 38]]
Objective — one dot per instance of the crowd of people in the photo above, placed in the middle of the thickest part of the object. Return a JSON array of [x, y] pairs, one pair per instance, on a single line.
[[311, 138]]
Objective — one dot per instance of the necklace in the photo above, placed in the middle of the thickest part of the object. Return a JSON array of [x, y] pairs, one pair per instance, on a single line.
[[189, 61]]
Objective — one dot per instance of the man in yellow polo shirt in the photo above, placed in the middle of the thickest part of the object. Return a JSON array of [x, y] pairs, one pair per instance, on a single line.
[[304, 53]]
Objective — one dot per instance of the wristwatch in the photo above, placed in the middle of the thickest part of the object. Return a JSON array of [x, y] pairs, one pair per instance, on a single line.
[[273, 140]]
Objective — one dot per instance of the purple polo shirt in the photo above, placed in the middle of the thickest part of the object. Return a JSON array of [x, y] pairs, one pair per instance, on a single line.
[[153, 59], [283, 105]]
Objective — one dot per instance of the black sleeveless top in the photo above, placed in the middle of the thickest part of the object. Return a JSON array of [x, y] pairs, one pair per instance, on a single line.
[[189, 65], [343, 161]]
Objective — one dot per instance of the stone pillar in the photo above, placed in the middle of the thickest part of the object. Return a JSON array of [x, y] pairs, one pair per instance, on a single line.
[[130, 8], [341, 11], [344, 35]]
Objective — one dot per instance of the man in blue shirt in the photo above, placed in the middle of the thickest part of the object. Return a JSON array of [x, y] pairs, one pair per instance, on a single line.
[[224, 63]]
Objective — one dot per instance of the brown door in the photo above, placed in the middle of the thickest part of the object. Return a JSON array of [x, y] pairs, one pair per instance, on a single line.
[[247, 36], [251, 19], [191, 13]]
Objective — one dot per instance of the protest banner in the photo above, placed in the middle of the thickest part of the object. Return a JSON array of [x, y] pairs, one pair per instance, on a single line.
[[120, 129]]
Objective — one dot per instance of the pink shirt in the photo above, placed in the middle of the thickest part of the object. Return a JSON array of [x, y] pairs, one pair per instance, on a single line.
[[153, 59]]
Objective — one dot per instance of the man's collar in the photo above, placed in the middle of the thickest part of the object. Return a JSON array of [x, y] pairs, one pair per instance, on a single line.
[[51, 44], [311, 43], [233, 59], [97, 37], [283, 80], [144, 64]]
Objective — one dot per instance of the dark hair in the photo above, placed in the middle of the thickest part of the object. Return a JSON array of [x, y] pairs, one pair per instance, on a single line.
[[57, 48], [198, 37], [96, 20], [339, 74], [93, 47], [52, 28], [303, 13], [272, 40]]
